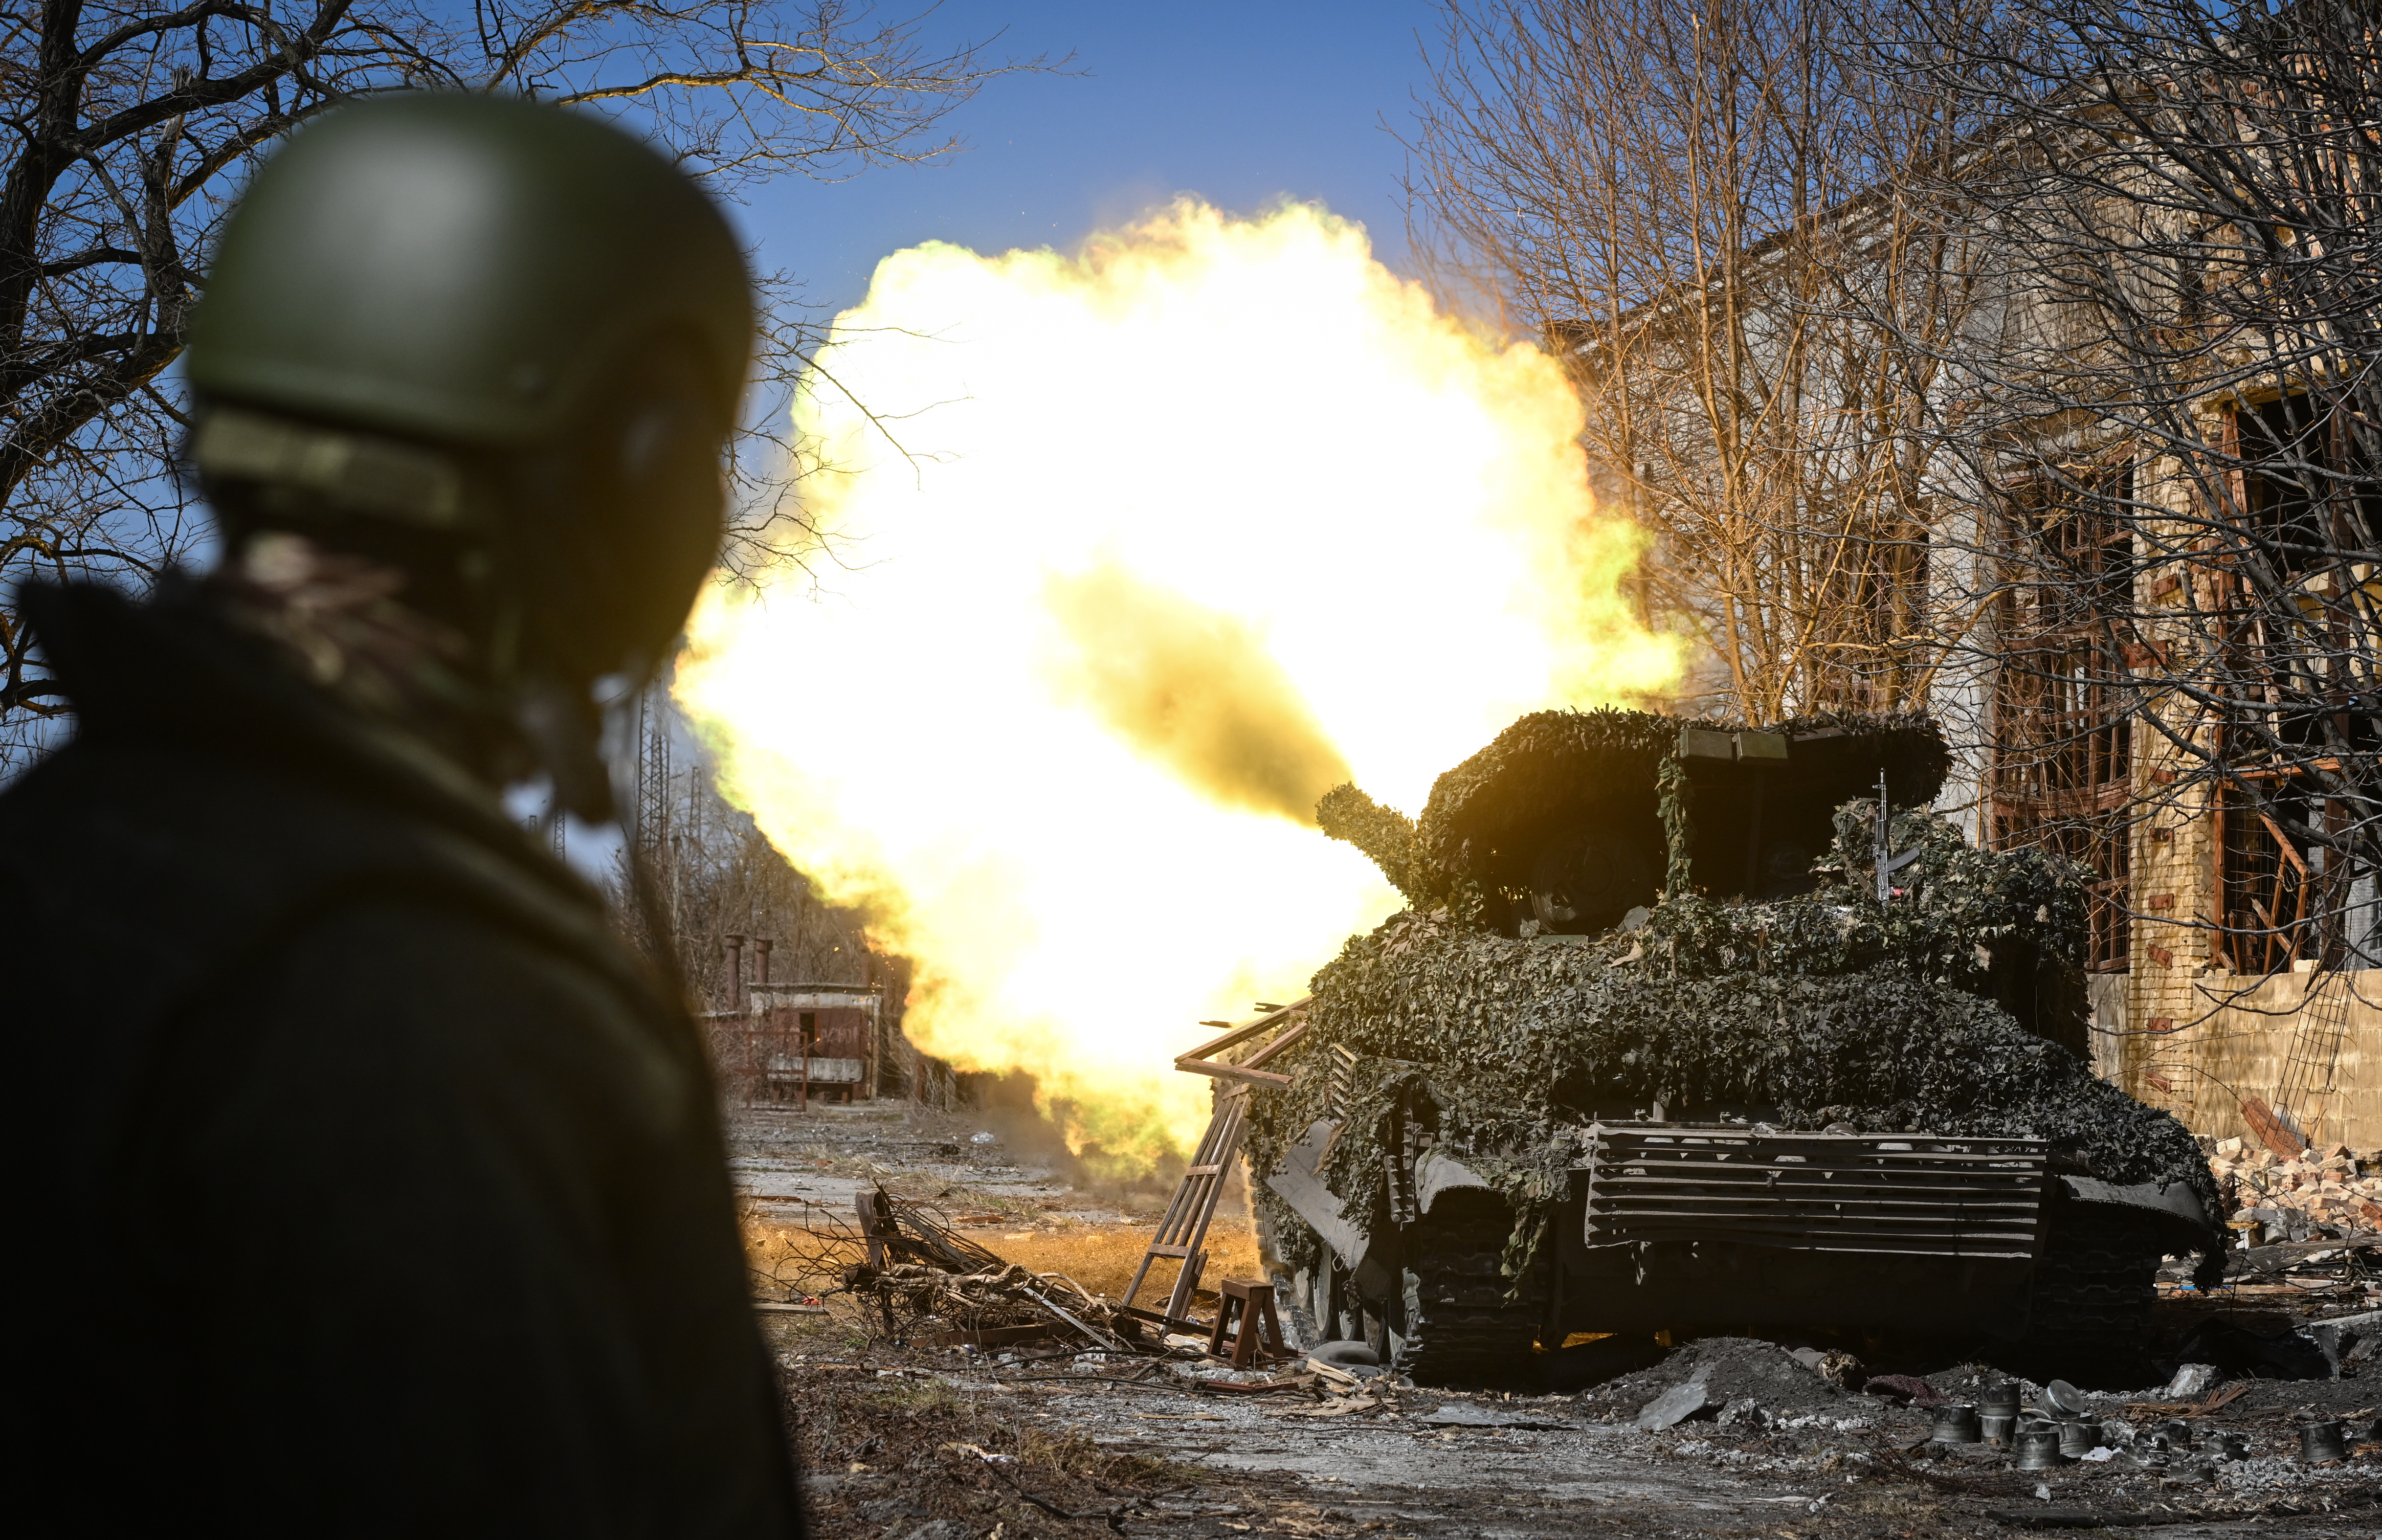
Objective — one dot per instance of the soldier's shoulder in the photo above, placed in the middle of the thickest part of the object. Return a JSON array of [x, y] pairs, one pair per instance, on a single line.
[[190, 862]]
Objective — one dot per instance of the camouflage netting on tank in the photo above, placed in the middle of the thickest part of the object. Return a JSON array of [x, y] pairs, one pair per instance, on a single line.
[[1828, 1007], [1557, 758], [1563, 758], [1385, 834]]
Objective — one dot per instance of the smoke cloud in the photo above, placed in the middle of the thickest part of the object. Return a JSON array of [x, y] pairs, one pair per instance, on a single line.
[[1191, 689], [1298, 517]]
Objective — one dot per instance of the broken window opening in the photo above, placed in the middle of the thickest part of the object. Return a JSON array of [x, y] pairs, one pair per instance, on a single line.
[[2063, 741], [2307, 480], [2287, 902]]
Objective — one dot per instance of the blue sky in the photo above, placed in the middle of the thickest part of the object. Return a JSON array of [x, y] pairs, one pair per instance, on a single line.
[[1237, 102]]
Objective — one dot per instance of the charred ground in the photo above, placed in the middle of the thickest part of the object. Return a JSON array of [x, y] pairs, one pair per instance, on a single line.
[[1045, 1440]]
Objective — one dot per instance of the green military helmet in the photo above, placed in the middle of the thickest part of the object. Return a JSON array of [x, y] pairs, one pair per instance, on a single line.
[[461, 268]]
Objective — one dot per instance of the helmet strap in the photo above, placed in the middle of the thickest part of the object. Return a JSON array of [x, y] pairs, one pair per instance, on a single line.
[[564, 730]]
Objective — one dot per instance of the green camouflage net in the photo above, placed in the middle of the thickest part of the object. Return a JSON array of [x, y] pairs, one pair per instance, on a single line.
[[1385, 834], [1828, 1007]]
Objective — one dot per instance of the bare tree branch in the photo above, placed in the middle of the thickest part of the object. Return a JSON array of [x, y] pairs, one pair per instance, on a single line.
[[132, 123]]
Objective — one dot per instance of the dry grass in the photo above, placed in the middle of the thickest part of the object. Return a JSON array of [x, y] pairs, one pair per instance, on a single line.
[[791, 1261], [1102, 1257]]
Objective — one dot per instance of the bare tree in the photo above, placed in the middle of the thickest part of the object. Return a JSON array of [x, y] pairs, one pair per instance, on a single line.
[[134, 122], [1699, 205], [2179, 398], [727, 879], [712, 874]]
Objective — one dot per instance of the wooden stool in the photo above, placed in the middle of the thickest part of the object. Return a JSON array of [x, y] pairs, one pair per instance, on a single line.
[[1260, 1329]]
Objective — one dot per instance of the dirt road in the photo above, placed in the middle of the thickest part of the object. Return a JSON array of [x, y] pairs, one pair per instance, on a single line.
[[913, 1443]]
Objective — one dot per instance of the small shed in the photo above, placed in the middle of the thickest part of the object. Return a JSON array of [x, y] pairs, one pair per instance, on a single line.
[[792, 1041]]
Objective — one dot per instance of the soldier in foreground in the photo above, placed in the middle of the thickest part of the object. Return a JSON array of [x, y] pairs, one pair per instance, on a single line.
[[372, 1187]]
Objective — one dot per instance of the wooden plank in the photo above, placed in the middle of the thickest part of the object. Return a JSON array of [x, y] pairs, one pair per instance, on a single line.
[[1232, 1073], [1171, 1323], [1243, 1032], [2270, 1129], [1277, 1046]]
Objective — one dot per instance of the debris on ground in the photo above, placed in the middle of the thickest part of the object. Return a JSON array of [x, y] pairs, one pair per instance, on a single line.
[[1464, 1414], [1051, 1437], [2340, 1270], [1907, 1387], [1726, 1369], [1674, 1406], [931, 1284]]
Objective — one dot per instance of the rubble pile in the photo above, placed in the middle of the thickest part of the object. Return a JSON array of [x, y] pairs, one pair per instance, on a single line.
[[2328, 1193], [1744, 1379], [2237, 1447]]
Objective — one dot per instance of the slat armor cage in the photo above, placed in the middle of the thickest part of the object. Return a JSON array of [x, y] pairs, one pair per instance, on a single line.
[[1911, 1194]]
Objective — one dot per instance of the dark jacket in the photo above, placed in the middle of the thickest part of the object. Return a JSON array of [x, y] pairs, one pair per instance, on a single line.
[[370, 1184]]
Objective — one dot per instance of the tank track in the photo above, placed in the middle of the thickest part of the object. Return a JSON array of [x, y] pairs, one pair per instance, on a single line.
[[1460, 1328], [2089, 1319]]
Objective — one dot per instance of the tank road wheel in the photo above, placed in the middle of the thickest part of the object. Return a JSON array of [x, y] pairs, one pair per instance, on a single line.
[[1460, 1328], [1290, 1301], [2090, 1321]]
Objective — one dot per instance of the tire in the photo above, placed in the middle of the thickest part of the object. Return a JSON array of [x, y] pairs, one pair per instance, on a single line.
[[1460, 1326]]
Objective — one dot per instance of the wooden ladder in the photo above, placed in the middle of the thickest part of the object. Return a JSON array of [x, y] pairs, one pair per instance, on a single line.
[[1183, 1234]]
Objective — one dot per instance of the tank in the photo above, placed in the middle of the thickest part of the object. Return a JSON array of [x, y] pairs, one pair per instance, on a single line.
[[1691, 1027]]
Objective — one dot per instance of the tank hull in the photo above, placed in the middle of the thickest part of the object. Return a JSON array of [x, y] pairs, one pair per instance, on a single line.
[[1692, 1230]]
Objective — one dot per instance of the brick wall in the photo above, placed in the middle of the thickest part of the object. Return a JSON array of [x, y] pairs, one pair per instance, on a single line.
[[2308, 1045], [2193, 1039], [2182, 1034]]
